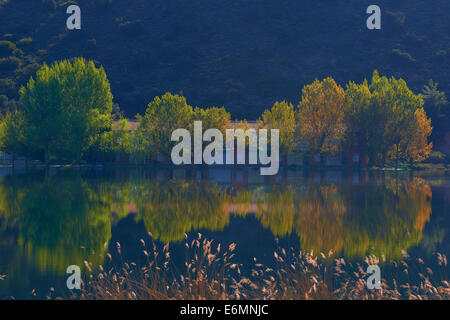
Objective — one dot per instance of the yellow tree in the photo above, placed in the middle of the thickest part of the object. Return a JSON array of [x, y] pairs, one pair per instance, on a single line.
[[281, 117], [244, 125], [214, 117], [321, 117], [416, 143]]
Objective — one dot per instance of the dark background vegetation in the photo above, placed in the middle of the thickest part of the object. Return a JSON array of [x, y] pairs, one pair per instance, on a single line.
[[242, 54]]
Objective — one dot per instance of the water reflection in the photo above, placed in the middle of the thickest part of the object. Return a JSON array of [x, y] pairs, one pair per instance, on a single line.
[[59, 220]]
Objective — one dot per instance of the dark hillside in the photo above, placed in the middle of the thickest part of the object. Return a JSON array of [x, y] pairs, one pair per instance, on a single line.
[[243, 54]]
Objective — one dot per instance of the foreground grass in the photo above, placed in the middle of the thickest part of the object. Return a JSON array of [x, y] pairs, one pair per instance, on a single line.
[[209, 273]]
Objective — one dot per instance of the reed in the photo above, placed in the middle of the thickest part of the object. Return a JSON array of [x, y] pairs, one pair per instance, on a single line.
[[210, 273]]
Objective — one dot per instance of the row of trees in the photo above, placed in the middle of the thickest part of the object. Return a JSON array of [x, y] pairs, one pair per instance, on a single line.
[[383, 120], [66, 114]]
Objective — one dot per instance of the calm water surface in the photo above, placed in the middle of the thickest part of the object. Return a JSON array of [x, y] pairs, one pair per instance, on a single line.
[[52, 219]]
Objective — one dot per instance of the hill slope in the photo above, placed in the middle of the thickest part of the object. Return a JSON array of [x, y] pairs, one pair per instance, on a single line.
[[243, 54]]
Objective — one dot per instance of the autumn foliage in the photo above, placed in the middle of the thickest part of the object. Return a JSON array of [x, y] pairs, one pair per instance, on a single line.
[[321, 116], [381, 119]]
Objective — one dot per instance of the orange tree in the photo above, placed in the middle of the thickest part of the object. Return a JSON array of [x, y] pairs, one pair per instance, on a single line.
[[320, 117]]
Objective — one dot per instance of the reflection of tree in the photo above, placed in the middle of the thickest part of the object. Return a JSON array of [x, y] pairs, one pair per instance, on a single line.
[[380, 218], [319, 220], [56, 215], [276, 210], [60, 222], [386, 220], [170, 209]]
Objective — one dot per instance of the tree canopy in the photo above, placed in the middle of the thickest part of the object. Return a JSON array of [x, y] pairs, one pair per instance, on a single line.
[[321, 116], [214, 117], [64, 107], [386, 120], [395, 119], [164, 115], [281, 116]]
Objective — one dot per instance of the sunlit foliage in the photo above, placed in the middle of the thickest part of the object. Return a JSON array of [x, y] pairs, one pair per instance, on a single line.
[[282, 117], [321, 116], [386, 120], [63, 108]]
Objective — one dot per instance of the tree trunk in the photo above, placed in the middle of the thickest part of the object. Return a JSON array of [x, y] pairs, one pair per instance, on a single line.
[[396, 158], [323, 160]]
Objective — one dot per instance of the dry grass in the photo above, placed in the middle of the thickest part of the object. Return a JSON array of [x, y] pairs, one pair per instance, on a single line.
[[209, 273]]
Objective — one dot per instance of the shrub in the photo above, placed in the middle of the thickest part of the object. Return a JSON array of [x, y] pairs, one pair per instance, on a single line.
[[24, 42], [3, 102], [7, 87], [436, 157], [7, 48], [403, 56], [130, 28], [25, 72], [7, 105], [10, 63]]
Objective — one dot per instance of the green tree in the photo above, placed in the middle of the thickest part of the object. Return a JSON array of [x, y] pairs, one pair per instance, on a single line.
[[113, 143], [12, 139], [385, 119], [321, 117], [396, 107], [65, 107], [359, 117], [139, 145], [164, 115], [282, 117]]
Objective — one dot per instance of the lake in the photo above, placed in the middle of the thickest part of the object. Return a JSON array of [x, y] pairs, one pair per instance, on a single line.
[[50, 219]]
